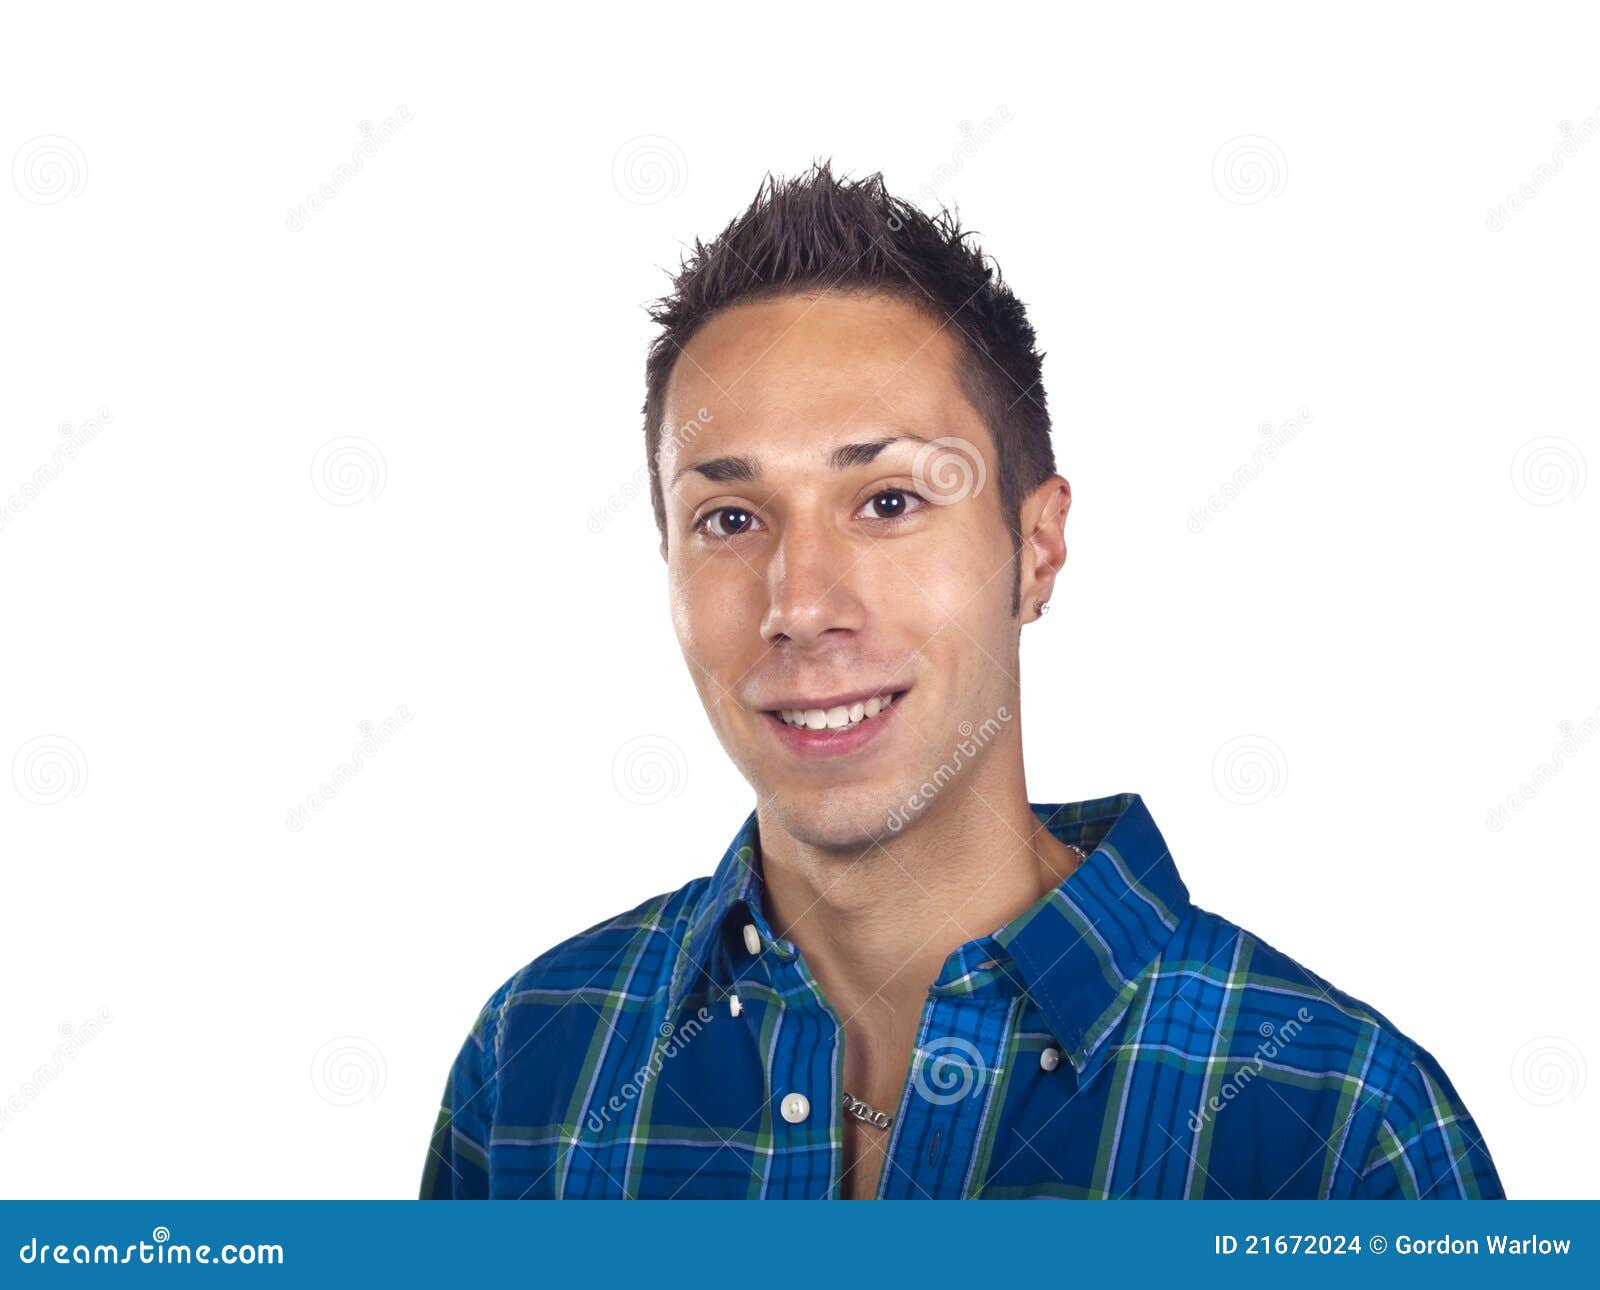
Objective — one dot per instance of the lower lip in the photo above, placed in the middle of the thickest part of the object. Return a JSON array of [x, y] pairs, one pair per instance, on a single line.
[[822, 744]]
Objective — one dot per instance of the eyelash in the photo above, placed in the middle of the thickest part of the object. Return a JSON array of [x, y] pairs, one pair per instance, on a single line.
[[701, 524]]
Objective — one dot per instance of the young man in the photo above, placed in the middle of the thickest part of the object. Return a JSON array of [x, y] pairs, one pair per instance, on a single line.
[[904, 979]]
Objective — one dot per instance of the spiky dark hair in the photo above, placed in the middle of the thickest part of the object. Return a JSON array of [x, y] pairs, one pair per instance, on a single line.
[[815, 232]]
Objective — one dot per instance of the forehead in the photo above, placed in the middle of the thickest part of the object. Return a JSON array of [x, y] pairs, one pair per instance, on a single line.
[[809, 367]]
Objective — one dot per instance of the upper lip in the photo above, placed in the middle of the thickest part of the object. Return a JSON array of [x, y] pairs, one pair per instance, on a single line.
[[842, 700]]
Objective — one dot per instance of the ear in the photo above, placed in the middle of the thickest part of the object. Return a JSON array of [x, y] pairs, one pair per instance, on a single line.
[[1043, 519]]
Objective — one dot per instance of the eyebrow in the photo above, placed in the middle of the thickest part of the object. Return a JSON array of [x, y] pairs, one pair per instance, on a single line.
[[745, 470]]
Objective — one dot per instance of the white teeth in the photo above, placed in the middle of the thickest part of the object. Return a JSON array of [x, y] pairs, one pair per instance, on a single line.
[[840, 717]]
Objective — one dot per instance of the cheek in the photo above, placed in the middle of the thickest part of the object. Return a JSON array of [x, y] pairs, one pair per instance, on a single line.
[[965, 578], [712, 615]]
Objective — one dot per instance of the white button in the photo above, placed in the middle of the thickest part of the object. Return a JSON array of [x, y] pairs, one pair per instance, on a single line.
[[1049, 1059], [795, 1107], [734, 1006], [752, 938]]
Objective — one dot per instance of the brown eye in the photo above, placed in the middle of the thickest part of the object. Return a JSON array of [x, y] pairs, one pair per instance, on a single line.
[[725, 522], [891, 504]]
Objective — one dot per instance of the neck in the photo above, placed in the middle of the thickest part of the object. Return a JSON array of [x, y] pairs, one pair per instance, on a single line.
[[876, 924]]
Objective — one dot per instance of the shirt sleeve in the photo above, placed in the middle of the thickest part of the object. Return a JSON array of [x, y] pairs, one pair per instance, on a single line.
[[457, 1167], [1426, 1146]]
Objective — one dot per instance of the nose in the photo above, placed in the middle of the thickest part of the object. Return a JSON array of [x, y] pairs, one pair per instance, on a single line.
[[811, 588]]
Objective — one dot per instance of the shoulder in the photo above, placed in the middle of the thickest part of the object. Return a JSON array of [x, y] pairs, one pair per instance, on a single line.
[[1270, 1010], [1341, 1101], [620, 965]]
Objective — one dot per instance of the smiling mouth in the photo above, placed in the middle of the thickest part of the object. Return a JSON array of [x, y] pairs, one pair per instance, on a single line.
[[839, 715]]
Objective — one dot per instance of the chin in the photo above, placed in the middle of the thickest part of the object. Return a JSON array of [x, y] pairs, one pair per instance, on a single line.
[[847, 819]]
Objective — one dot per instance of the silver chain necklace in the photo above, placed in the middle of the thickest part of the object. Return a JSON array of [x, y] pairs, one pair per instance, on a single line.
[[869, 1114]]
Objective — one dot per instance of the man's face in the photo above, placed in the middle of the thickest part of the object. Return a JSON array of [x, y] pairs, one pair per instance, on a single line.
[[809, 576]]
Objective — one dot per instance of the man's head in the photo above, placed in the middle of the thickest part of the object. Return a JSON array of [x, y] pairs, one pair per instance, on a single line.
[[854, 484]]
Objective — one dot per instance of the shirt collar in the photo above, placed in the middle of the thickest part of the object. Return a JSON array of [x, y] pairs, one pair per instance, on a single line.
[[1079, 950], [735, 886], [1082, 948]]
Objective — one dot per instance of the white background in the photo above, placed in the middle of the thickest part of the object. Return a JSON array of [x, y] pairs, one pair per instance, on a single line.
[[1321, 694]]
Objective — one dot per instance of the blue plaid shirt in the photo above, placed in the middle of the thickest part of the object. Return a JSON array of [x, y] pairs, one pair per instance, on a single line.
[[1112, 1040]]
